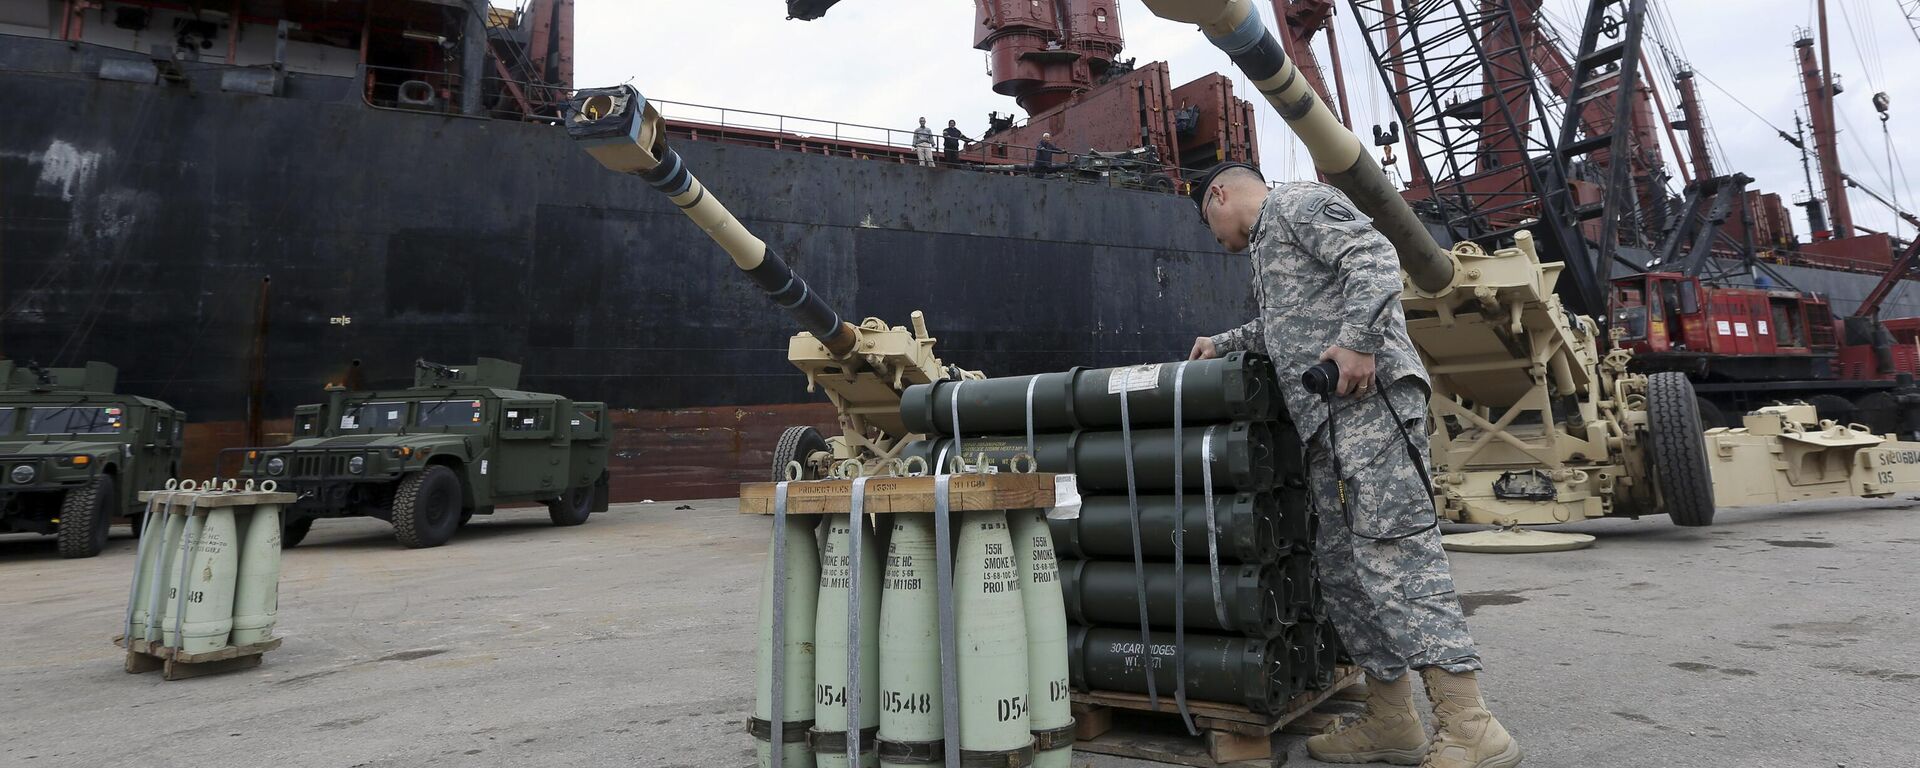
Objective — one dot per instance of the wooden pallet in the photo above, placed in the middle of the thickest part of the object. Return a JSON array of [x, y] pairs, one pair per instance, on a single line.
[[1124, 724], [1001, 490], [174, 665]]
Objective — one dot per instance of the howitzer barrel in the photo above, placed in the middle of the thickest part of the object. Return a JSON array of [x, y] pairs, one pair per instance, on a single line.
[[1233, 26], [626, 134]]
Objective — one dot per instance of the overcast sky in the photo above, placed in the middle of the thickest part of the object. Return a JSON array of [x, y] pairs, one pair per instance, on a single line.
[[886, 62]]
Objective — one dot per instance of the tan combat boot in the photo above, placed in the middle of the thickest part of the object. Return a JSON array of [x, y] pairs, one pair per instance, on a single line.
[[1390, 732], [1466, 736]]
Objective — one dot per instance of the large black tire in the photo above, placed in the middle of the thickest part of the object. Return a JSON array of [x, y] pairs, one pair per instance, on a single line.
[[294, 532], [86, 515], [796, 444], [1879, 411], [426, 508], [573, 508], [1711, 416], [1832, 407], [1679, 450]]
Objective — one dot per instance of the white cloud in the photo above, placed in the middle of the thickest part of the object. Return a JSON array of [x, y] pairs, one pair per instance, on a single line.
[[886, 62]]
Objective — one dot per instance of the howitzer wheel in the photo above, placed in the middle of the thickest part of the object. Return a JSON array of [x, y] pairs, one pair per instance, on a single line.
[[796, 444], [86, 515], [1879, 411], [1679, 450], [1711, 416], [1832, 407]]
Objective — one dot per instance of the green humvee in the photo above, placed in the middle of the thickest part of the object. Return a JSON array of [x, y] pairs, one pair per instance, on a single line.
[[74, 454], [457, 443]]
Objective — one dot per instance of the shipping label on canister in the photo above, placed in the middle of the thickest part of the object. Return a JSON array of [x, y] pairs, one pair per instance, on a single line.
[[1133, 379], [1066, 497]]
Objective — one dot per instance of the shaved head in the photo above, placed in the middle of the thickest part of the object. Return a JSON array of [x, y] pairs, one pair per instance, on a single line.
[[1230, 200]]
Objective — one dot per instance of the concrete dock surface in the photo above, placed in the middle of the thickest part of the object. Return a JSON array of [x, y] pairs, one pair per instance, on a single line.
[[1782, 636]]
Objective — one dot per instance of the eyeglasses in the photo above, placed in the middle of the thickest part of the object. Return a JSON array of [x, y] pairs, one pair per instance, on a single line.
[[1204, 201]]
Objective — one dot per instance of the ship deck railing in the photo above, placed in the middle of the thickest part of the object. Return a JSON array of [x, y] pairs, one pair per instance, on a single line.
[[704, 122]]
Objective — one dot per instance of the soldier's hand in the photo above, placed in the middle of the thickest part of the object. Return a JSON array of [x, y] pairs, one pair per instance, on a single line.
[[1203, 349], [1356, 370]]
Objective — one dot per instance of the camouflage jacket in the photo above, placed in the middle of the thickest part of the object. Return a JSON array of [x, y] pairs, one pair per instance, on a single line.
[[1322, 276]]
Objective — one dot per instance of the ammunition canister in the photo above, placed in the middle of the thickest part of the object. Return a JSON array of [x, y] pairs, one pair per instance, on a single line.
[[1237, 387], [1248, 528], [1255, 673], [1105, 592], [1243, 456]]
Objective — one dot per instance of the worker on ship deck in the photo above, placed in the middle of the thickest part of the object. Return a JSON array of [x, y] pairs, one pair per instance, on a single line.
[[923, 144], [1043, 155], [953, 137], [1328, 287]]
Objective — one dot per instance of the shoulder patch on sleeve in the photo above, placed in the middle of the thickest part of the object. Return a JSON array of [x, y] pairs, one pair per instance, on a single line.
[[1335, 210]]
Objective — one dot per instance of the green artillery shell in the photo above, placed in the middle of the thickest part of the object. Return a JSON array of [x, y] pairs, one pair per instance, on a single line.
[[802, 605], [1237, 387], [1049, 699], [153, 533], [209, 584], [830, 715], [256, 595], [991, 624], [1234, 670], [165, 576], [910, 709], [1105, 592]]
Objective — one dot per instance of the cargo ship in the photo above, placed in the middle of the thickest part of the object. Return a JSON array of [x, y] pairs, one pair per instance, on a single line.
[[239, 203]]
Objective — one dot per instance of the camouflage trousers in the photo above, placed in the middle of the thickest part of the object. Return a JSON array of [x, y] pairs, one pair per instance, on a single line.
[[1393, 601]]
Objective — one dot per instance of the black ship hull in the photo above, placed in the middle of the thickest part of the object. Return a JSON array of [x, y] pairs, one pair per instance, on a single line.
[[137, 222]]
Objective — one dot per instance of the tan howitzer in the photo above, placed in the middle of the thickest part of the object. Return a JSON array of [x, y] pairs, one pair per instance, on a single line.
[[1535, 420], [1532, 426], [863, 368]]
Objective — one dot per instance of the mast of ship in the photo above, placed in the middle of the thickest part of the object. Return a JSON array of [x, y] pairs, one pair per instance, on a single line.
[[1816, 212], [1816, 79]]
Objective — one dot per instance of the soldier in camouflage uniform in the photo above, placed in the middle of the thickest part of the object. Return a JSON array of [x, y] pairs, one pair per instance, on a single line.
[[1328, 288]]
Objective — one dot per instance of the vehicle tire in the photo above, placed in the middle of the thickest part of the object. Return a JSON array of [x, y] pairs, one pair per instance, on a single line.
[[796, 444], [1679, 450], [1710, 415], [1832, 407], [426, 508], [1159, 183], [466, 515], [1879, 411], [573, 508], [295, 531], [86, 514]]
